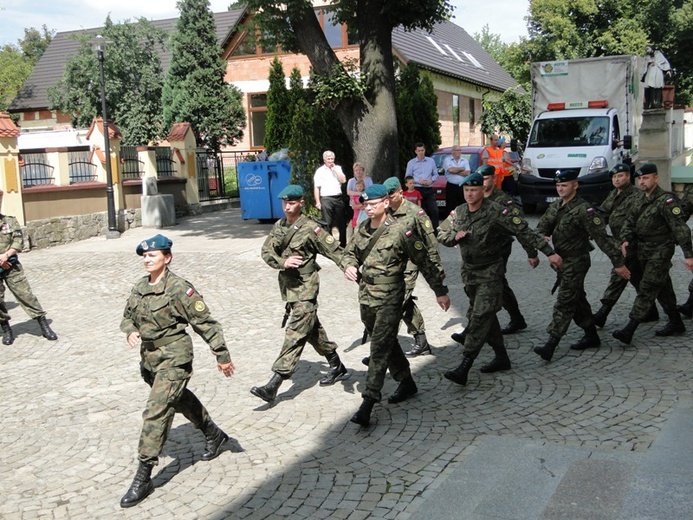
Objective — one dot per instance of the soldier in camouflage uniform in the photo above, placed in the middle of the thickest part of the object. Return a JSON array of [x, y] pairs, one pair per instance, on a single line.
[[657, 225], [159, 309], [686, 308], [292, 247], [623, 199], [12, 275], [379, 270], [570, 223], [475, 228], [509, 300]]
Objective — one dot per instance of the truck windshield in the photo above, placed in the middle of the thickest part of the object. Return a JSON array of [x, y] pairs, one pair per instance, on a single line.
[[570, 131]]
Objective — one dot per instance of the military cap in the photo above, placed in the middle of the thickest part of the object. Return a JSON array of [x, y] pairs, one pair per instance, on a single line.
[[486, 170], [620, 167], [566, 175], [373, 192], [645, 169], [291, 192], [473, 179], [392, 184], [156, 243]]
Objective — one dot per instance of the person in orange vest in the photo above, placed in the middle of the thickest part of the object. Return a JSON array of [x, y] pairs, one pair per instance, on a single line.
[[493, 155]]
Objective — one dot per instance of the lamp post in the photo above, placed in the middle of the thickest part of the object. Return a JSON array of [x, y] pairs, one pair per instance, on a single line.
[[99, 45]]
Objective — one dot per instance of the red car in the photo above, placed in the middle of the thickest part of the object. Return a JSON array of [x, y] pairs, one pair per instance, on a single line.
[[471, 153]]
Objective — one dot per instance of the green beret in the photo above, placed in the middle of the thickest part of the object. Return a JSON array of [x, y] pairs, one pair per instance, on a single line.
[[291, 192], [645, 169], [473, 179], [619, 168], [156, 243], [373, 192], [566, 175], [392, 184], [486, 170]]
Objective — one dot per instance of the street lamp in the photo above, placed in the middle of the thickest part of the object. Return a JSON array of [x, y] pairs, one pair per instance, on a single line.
[[99, 45]]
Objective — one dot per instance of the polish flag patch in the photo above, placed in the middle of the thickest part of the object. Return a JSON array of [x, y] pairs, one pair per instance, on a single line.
[[317, 230], [409, 233], [190, 291], [670, 200]]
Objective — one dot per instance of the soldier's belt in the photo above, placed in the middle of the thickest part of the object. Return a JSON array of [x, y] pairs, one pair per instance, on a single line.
[[307, 269], [572, 254], [656, 239], [480, 260], [381, 280], [151, 346]]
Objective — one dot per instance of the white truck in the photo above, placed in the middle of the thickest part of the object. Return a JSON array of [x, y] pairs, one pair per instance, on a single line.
[[587, 114]]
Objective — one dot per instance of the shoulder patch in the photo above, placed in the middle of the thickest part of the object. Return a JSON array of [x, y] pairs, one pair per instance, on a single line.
[[676, 210], [317, 230], [427, 223], [597, 221], [590, 210], [509, 202], [200, 306], [670, 200], [190, 291], [517, 220], [408, 233], [329, 239], [452, 213], [422, 212], [418, 245], [505, 212]]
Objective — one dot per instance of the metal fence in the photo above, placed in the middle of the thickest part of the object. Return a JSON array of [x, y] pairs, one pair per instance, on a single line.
[[79, 167], [164, 162], [133, 168], [36, 170], [217, 172]]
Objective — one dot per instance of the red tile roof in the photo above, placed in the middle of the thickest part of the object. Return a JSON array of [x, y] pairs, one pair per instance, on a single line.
[[113, 130], [7, 127], [178, 132]]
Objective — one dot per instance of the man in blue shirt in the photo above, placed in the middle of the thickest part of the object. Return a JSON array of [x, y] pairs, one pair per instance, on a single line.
[[456, 170], [425, 173]]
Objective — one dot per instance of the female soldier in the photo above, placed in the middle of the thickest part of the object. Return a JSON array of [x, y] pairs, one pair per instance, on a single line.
[[157, 313]]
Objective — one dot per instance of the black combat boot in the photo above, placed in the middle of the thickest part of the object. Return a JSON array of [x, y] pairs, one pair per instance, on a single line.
[[405, 390], [459, 336], [601, 315], [687, 308], [517, 323], [625, 335], [269, 391], [674, 326], [500, 363], [366, 361], [337, 370], [651, 316], [459, 375], [46, 331], [363, 414], [589, 340], [420, 347], [546, 352], [7, 334], [216, 438], [140, 488]]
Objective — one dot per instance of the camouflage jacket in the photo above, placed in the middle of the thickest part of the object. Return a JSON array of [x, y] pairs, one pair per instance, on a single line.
[[687, 201], [482, 246], [309, 239], [659, 220], [382, 271], [161, 313], [502, 198], [571, 226], [10, 234], [617, 205], [419, 221]]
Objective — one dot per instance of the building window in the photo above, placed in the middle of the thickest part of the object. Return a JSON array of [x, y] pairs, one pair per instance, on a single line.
[[332, 29], [472, 115], [257, 113], [247, 47], [455, 119]]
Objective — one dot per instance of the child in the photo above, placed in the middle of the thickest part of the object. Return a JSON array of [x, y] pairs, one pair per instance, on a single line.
[[411, 193], [359, 216]]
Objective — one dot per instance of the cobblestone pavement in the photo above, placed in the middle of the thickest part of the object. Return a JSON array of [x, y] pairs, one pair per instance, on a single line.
[[72, 412]]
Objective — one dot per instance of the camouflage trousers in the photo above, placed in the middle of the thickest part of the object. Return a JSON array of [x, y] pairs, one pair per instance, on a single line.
[[571, 303], [168, 395], [382, 323], [656, 282], [484, 288], [617, 284], [303, 326], [16, 281], [509, 300], [411, 315]]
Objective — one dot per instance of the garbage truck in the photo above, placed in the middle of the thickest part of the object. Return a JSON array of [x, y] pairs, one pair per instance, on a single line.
[[586, 116]]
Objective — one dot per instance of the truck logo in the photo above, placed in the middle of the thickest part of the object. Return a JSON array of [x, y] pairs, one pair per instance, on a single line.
[[540, 156]]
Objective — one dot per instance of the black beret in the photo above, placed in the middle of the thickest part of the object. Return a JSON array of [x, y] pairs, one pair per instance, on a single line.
[[566, 175], [156, 243], [486, 170], [645, 169], [619, 168]]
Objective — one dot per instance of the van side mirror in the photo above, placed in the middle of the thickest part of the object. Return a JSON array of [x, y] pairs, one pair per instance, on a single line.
[[627, 142]]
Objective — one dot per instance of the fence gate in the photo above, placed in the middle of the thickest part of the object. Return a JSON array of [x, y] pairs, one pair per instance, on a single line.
[[217, 172]]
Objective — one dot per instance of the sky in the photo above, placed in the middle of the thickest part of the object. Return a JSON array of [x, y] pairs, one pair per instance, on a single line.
[[504, 17]]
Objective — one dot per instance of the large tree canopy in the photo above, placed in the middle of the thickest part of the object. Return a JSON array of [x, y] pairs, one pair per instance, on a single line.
[[365, 102]]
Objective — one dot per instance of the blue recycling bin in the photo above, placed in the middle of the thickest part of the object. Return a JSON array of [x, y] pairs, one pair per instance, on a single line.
[[260, 183]]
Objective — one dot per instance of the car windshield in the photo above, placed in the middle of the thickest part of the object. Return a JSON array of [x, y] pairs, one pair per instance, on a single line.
[[569, 131]]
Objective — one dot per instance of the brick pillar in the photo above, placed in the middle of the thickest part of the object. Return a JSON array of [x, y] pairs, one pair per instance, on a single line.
[[96, 140], [10, 175], [183, 143]]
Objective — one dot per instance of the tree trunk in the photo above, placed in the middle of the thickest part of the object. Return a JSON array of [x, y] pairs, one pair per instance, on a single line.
[[370, 122]]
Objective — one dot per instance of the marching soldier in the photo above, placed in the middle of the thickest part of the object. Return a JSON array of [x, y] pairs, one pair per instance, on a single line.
[[475, 227], [686, 308], [377, 258], [570, 223], [292, 247], [658, 225], [159, 309]]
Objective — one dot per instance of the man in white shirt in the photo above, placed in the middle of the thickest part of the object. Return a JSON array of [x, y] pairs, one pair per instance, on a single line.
[[425, 173], [327, 189], [456, 169]]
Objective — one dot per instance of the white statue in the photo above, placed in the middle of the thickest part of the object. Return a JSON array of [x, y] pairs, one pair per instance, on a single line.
[[656, 65]]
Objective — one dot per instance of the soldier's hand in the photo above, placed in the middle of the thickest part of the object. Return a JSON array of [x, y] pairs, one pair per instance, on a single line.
[[624, 248], [689, 263], [351, 273], [444, 302], [293, 262], [533, 262], [460, 235], [226, 368], [556, 261], [623, 272], [133, 339]]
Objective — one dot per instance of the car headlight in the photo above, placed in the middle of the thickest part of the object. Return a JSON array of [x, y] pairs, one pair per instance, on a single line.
[[526, 165], [598, 164]]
